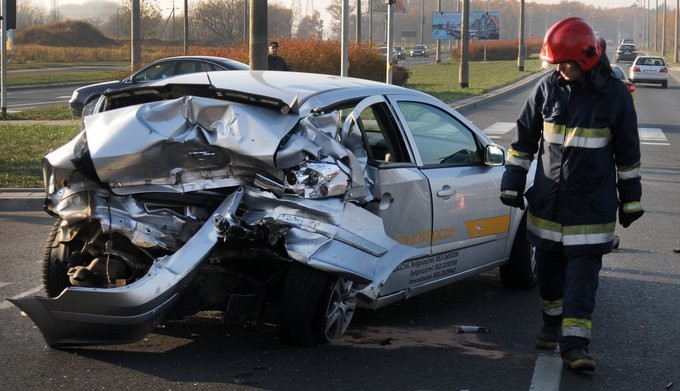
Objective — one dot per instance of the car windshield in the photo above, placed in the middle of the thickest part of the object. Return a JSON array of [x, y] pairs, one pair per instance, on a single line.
[[651, 61], [618, 73]]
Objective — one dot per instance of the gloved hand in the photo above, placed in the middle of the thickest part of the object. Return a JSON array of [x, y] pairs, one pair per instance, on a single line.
[[629, 212], [513, 198]]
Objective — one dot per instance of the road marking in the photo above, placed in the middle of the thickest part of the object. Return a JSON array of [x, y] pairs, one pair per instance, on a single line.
[[547, 373], [6, 304], [652, 136], [498, 129]]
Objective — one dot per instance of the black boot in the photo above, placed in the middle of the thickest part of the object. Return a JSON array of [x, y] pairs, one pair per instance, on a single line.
[[578, 359], [548, 337]]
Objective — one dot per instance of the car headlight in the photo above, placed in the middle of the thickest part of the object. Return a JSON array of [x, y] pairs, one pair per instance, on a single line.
[[317, 180]]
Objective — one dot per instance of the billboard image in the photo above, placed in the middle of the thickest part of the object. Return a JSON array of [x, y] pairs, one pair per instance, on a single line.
[[483, 25]]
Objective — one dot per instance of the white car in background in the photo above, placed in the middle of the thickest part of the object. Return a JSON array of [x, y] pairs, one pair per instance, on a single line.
[[649, 69]]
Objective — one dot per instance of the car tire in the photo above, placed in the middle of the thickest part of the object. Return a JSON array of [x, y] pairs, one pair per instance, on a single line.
[[54, 264], [520, 271], [315, 307]]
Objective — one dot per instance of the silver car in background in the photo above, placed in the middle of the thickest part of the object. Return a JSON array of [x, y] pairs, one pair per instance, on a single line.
[[649, 69], [239, 191]]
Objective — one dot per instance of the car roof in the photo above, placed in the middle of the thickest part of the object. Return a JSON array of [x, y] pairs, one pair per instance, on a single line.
[[216, 59], [291, 89]]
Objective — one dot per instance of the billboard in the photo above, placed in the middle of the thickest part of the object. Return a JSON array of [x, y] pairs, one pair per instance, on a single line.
[[483, 25]]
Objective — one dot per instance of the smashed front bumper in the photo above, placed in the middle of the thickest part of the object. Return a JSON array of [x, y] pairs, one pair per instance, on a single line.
[[87, 316]]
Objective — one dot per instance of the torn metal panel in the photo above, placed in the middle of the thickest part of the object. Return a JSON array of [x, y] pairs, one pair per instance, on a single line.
[[82, 316]]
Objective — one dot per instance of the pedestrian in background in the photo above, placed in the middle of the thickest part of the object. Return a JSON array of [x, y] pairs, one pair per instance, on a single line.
[[581, 122], [274, 61]]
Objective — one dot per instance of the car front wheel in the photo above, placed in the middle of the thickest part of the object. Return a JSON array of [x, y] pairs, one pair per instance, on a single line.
[[315, 307], [55, 263], [520, 271]]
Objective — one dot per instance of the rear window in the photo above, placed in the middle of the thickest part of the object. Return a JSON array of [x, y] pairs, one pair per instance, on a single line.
[[653, 61]]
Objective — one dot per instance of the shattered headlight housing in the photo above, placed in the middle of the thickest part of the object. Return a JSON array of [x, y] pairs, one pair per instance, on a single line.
[[317, 180]]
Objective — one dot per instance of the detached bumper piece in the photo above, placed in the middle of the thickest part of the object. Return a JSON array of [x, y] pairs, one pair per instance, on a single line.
[[94, 316]]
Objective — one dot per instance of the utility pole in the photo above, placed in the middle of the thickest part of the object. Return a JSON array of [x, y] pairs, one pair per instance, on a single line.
[[677, 22], [663, 32], [463, 73], [135, 36], [258, 35], [422, 22], [390, 39], [359, 21], [186, 26], [3, 59], [520, 51], [439, 41], [344, 33], [656, 27]]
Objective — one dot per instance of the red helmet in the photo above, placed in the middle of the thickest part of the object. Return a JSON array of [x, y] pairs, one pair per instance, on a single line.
[[571, 39]]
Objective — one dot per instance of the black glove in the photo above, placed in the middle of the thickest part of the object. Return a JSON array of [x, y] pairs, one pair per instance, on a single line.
[[629, 212], [513, 198]]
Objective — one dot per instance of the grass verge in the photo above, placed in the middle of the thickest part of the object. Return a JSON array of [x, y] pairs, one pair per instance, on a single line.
[[22, 147]]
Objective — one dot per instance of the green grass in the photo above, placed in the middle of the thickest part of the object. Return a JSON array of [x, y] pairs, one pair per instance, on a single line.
[[22, 147], [441, 80], [66, 77], [56, 112]]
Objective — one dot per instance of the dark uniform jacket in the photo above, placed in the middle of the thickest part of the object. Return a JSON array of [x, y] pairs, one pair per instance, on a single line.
[[277, 63], [588, 147]]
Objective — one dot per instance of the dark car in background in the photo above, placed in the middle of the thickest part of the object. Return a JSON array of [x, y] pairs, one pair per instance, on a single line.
[[400, 52], [159, 69], [621, 75], [626, 52]]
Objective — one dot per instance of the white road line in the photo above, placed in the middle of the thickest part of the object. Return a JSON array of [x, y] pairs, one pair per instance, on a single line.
[[652, 136], [500, 128], [6, 304], [547, 373]]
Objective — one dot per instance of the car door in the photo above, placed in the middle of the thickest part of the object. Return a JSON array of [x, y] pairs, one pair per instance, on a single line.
[[470, 225]]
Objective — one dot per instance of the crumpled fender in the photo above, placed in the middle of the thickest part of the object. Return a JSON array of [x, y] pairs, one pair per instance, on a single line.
[[87, 316]]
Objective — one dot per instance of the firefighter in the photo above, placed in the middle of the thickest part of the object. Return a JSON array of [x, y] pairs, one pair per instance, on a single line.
[[581, 123]]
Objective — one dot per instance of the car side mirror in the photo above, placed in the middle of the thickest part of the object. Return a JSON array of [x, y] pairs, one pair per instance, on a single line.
[[494, 155]]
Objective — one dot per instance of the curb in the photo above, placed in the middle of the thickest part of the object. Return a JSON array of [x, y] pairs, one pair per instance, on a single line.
[[468, 103]]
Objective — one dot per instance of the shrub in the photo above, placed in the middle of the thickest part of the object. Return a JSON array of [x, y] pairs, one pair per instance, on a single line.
[[498, 50], [319, 56]]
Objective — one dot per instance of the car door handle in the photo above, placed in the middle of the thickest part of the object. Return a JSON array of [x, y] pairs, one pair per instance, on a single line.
[[446, 191]]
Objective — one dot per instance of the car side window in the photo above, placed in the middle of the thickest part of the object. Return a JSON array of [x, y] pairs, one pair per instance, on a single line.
[[155, 72], [376, 132], [184, 67], [440, 137]]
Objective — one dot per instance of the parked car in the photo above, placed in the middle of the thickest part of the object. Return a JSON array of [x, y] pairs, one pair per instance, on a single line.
[[159, 69], [626, 52], [621, 75], [649, 69], [311, 194], [400, 52], [420, 51], [383, 53]]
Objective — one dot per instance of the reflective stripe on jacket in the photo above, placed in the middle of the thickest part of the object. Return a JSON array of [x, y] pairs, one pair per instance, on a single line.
[[586, 141]]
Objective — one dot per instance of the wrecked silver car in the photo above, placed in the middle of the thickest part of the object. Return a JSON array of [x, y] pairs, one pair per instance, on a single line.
[[240, 191]]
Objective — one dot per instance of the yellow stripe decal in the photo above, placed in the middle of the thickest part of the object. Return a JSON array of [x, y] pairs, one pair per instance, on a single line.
[[488, 226]]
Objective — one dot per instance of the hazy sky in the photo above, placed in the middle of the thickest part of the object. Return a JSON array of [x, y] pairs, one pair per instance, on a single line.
[[321, 4]]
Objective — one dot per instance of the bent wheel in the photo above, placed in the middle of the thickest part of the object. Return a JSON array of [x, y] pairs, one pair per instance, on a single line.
[[315, 307], [54, 263]]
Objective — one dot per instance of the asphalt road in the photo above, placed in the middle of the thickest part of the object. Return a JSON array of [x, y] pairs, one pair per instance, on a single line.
[[409, 346]]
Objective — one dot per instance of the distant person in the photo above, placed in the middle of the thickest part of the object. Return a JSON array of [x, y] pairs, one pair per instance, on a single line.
[[274, 61]]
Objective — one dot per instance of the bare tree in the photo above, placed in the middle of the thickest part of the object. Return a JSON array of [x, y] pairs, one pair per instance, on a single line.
[[279, 21], [335, 9], [311, 26], [29, 14], [217, 20], [151, 19]]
